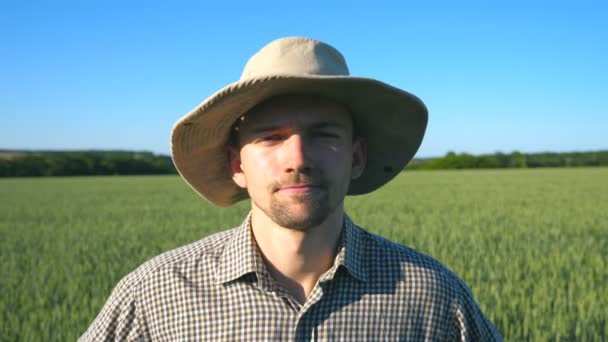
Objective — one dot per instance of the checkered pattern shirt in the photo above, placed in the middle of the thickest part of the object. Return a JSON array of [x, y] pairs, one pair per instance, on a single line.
[[218, 289]]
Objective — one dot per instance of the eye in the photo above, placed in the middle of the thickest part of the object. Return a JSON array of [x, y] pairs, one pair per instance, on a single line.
[[271, 137], [327, 134]]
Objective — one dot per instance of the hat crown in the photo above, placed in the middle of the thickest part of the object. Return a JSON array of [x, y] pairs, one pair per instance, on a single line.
[[296, 56]]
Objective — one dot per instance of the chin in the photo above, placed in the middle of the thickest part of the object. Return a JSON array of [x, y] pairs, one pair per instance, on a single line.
[[298, 217]]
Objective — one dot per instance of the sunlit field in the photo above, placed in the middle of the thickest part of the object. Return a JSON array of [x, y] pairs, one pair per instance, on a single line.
[[531, 244]]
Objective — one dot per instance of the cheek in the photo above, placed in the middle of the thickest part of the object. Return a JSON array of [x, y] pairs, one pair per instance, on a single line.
[[257, 169], [252, 162], [341, 159]]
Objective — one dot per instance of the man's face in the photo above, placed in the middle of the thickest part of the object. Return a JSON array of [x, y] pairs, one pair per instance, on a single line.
[[296, 159]]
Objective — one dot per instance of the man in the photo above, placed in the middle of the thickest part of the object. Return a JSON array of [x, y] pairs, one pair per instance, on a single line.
[[296, 134]]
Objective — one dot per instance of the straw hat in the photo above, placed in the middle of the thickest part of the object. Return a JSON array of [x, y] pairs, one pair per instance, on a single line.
[[391, 120]]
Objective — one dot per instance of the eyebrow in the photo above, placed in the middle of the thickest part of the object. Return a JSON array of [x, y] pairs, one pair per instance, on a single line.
[[319, 125]]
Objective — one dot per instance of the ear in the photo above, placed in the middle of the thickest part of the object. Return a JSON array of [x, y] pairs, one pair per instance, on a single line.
[[359, 158], [234, 158]]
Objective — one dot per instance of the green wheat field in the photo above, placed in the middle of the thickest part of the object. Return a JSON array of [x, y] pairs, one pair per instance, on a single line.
[[531, 244]]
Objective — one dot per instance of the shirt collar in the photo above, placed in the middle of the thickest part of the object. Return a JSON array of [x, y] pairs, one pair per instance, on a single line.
[[351, 253], [242, 256]]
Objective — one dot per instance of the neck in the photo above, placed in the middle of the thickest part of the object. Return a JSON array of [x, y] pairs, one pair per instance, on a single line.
[[297, 258]]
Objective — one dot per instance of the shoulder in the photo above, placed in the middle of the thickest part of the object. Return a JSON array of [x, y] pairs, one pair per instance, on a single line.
[[402, 254], [422, 282], [417, 272], [185, 258], [122, 317], [194, 261]]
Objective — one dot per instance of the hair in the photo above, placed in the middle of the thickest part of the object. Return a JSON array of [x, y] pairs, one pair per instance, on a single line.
[[233, 140]]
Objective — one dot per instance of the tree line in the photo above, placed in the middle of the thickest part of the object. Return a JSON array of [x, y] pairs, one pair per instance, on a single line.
[[511, 160], [81, 163]]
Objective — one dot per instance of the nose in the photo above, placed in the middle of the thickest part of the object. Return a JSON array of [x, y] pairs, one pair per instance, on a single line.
[[294, 154]]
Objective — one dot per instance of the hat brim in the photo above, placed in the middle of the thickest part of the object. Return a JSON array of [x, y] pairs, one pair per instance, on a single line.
[[392, 122]]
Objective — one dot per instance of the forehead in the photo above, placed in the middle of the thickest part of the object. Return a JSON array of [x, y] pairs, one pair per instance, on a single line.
[[296, 111]]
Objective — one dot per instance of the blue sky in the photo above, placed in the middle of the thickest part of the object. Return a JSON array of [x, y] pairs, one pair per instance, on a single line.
[[495, 75]]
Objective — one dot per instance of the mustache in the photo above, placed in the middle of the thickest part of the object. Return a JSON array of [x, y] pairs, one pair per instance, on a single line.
[[298, 179]]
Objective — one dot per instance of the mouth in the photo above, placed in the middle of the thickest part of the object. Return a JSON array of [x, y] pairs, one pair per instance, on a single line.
[[298, 188]]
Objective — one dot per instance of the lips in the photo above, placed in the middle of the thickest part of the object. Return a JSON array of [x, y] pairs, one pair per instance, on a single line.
[[298, 187], [299, 182], [295, 186]]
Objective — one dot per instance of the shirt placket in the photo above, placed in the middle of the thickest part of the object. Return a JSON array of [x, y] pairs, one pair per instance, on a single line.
[[305, 325]]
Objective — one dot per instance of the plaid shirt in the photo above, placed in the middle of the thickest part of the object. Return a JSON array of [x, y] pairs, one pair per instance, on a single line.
[[218, 289]]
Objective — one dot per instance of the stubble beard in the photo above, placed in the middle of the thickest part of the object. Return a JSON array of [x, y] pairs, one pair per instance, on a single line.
[[317, 206], [318, 211]]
